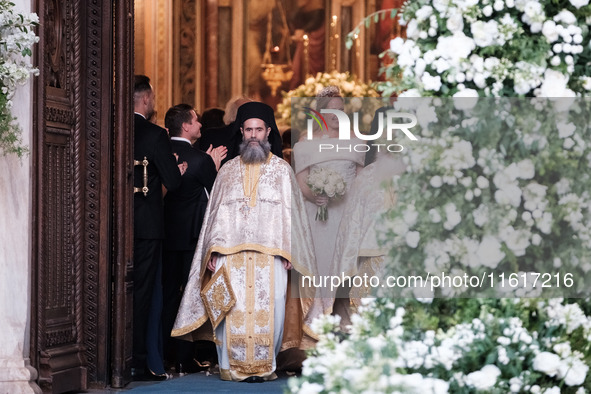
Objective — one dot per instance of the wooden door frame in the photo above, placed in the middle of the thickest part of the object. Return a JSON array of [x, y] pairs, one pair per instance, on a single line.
[[93, 109], [122, 235]]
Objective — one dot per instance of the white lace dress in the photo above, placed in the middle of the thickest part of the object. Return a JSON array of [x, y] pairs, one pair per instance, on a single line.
[[306, 154]]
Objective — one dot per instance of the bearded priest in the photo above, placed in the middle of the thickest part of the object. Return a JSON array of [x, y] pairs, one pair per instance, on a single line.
[[255, 231]]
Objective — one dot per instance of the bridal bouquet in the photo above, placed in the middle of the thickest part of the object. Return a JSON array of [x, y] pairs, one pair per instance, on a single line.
[[323, 181]]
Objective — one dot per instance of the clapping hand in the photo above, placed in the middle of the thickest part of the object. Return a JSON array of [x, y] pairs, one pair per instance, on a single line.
[[218, 154], [182, 166]]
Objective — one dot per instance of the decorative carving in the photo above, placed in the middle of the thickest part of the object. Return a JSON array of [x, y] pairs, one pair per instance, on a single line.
[[187, 65], [56, 52], [59, 115], [75, 74], [59, 337], [59, 317], [92, 187]]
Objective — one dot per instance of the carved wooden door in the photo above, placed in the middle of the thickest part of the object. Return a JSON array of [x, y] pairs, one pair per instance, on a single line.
[[82, 195]]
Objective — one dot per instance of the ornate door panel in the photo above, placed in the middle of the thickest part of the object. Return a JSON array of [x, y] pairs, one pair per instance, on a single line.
[[79, 175]]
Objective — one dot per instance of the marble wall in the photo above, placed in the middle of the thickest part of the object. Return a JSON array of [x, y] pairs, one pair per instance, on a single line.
[[15, 254]]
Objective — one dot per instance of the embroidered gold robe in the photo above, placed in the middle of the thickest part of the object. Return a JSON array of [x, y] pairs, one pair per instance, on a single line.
[[255, 212]]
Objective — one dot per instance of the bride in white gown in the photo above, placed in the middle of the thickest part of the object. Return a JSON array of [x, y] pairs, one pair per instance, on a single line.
[[307, 156]]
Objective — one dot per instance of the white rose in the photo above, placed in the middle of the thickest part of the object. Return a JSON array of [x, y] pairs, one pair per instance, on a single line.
[[455, 22], [410, 216], [455, 47], [412, 238], [311, 388], [526, 169], [549, 31], [566, 130], [330, 190], [567, 17], [396, 45], [482, 182], [467, 99], [420, 66], [480, 80], [545, 223], [489, 252], [568, 143], [431, 82], [423, 13], [554, 84], [412, 29], [480, 215], [453, 217], [573, 374], [484, 379], [399, 227], [434, 215], [579, 3], [436, 181], [547, 363], [509, 195], [441, 65], [516, 240], [484, 33]]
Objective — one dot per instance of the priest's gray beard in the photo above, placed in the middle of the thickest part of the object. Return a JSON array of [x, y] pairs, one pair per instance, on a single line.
[[254, 153]]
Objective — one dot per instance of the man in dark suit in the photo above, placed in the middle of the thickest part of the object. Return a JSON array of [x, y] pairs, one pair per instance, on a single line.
[[151, 143], [184, 209], [230, 135]]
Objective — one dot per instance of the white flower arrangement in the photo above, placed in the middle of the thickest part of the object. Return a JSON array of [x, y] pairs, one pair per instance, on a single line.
[[16, 40], [500, 189], [323, 181], [492, 48], [304, 94], [459, 346]]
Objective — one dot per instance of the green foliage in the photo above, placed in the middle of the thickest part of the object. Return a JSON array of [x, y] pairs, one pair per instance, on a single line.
[[16, 40]]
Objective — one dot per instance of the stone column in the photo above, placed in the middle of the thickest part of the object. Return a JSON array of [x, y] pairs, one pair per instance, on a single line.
[[16, 373]]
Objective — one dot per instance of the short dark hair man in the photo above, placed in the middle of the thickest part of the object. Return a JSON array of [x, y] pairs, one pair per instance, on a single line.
[[184, 209], [151, 144]]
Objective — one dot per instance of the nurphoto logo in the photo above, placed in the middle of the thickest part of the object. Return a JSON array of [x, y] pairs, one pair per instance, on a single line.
[[387, 121]]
